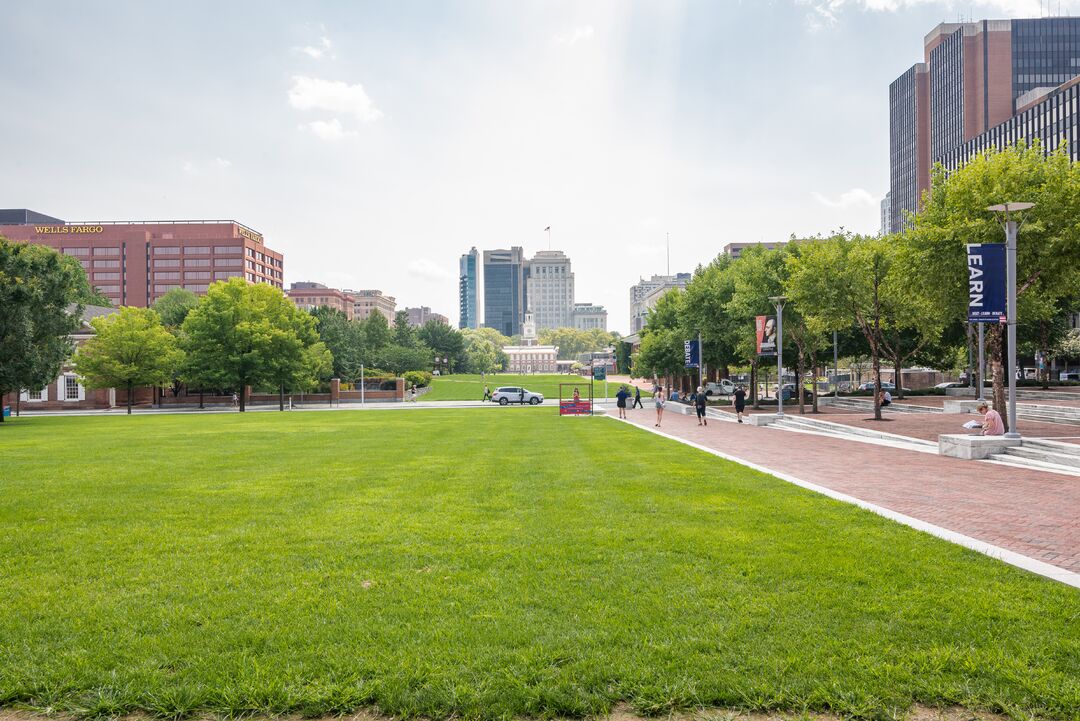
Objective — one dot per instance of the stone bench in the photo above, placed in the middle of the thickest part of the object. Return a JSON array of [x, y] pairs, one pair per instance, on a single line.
[[973, 447]]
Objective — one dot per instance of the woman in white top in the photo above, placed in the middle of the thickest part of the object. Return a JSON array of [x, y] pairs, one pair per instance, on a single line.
[[659, 400]]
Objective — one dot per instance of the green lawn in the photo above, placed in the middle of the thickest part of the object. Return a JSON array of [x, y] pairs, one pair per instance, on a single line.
[[471, 387], [483, 565]]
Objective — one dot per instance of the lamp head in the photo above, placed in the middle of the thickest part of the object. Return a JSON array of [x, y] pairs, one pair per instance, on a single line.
[[1010, 207]]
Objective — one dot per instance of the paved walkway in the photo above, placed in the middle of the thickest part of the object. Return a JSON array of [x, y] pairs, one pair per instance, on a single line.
[[1033, 513]]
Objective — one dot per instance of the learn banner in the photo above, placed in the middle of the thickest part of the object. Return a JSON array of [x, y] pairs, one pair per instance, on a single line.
[[765, 326], [986, 283], [691, 353]]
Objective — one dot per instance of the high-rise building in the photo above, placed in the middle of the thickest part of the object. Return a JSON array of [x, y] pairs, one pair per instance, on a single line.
[[886, 214], [420, 316], [135, 263], [550, 292], [469, 289], [734, 250], [645, 293], [589, 316], [308, 296], [366, 302], [981, 84], [505, 281]]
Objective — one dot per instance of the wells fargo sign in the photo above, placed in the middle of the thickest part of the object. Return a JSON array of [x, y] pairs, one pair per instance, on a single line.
[[66, 229], [249, 234]]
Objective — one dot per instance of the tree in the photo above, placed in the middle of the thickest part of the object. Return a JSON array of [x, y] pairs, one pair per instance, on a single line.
[[483, 350], [244, 335], [661, 351], [707, 296], [399, 359], [377, 335], [954, 214], [174, 306], [446, 342], [343, 338], [404, 333], [129, 348], [41, 303]]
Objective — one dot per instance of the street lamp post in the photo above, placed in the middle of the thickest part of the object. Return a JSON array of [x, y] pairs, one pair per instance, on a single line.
[[1010, 303], [778, 300]]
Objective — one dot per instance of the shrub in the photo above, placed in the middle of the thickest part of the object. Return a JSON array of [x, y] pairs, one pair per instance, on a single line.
[[419, 379]]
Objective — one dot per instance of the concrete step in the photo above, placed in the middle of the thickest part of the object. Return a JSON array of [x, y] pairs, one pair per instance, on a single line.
[[1046, 395], [1044, 456], [1013, 459], [868, 405], [1067, 449], [839, 430]]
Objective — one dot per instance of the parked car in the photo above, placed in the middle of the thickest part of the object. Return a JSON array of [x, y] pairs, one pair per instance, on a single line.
[[885, 386], [513, 394], [789, 393], [722, 387], [946, 384]]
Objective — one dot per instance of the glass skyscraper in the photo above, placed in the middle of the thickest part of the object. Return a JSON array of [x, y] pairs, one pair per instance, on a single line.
[[504, 290], [469, 289]]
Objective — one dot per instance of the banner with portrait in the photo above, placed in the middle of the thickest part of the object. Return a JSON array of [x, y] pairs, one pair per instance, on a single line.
[[765, 326]]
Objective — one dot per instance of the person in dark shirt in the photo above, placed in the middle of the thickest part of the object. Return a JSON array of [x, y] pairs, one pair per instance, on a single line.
[[740, 402], [620, 401], [637, 399], [699, 403]]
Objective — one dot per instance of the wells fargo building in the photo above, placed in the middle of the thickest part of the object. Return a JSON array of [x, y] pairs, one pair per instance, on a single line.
[[135, 263]]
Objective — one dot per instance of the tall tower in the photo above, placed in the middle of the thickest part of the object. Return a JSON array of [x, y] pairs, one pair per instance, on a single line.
[[504, 290], [469, 289], [550, 294]]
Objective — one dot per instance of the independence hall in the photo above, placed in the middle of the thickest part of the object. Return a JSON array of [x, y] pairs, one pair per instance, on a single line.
[[135, 263]]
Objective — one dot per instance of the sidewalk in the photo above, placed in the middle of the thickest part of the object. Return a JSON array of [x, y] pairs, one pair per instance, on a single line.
[[1033, 513]]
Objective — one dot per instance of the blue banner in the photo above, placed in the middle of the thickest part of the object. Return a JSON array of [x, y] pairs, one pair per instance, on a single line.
[[691, 353], [986, 283]]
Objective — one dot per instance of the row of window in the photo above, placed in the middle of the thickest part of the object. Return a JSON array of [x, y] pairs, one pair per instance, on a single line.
[[68, 388], [196, 262]]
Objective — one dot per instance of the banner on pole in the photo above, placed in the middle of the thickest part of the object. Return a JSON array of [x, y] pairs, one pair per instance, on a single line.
[[986, 283], [691, 354], [765, 326]]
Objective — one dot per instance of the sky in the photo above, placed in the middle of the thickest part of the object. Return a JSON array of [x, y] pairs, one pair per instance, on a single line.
[[375, 142]]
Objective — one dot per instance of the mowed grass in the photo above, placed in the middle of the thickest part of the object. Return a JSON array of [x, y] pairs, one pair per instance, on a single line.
[[466, 387], [484, 565]]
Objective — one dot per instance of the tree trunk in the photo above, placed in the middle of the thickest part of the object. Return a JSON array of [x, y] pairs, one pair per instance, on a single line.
[[243, 396], [875, 360], [753, 386], [898, 375], [800, 371], [130, 391], [1044, 352], [997, 353], [201, 399], [817, 373]]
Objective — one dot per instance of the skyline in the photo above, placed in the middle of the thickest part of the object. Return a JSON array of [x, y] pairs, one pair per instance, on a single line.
[[375, 145]]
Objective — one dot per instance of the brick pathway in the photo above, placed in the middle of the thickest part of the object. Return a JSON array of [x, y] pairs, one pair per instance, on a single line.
[[1033, 513]]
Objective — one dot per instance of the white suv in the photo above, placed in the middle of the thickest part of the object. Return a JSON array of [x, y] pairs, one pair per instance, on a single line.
[[512, 394]]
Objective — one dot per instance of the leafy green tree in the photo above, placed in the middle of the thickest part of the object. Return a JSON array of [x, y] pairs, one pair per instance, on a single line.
[[661, 351], [1048, 252], [344, 339], [399, 359], [708, 293], [174, 306], [483, 350], [446, 342], [129, 348], [244, 335], [404, 333], [377, 335], [41, 303]]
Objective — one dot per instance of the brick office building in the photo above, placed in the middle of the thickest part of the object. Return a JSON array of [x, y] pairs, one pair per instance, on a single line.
[[308, 296], [135, 263]]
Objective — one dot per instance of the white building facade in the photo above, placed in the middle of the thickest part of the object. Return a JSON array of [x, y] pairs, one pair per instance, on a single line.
[[550, 290], [589, 316]]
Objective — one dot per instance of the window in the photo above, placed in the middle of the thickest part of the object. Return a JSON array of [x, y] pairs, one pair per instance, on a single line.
[[223, 274], [70, 388], [162, 275], [167, 250], [164, 288], [166, 263], [250, 252], [196, 262], [39, 396], [197, 275], [106, 276], [76, 251], [228, 249], [196, 250], [195, 288], [109, 288], [106, 264], [228, 262], [107, 251]]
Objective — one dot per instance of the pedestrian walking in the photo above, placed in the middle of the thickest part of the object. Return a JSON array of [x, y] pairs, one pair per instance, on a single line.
[[487, 394], [699, 404], [637, 399], [740, 402], [659, 400], [235, 399], [521, 396], [412, 394], [620, 401]]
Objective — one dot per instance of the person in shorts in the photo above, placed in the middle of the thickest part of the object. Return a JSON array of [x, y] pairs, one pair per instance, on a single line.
[[699, 404], [740, 402], [658, 399], [620, 401]]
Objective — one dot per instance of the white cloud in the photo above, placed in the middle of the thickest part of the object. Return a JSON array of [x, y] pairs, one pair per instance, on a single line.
[[333, 96], [428, 270], [329, 130], [222, 163], [317, 51], [189, 168], [851, 198], [575, 34]]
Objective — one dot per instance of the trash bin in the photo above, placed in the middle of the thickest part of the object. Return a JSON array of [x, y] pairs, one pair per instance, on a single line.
[[7, 411]]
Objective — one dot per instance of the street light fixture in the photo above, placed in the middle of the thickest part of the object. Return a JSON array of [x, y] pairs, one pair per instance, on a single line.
[[1010, 303], [778, 301]]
